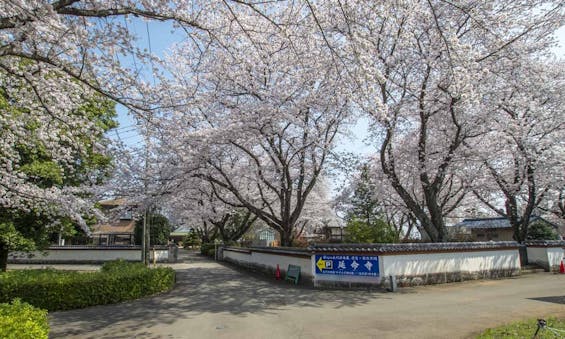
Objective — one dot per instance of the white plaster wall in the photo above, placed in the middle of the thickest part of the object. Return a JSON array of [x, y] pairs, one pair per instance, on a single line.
[[237, 256], [271, 260], [162, 255], [76, 255], [420, 264], [538, 255], [555, 255], [83, 255], [396, 265]]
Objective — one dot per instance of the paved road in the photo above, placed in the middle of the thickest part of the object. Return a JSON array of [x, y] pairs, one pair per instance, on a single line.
[[216, 301]]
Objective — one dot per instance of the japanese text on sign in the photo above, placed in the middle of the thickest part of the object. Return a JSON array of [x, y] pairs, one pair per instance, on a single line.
[[358, 265]]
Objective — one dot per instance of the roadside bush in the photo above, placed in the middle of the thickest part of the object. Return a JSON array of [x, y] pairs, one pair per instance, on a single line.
[[120, 265], [63, 290], [20, 320], [208, 248]]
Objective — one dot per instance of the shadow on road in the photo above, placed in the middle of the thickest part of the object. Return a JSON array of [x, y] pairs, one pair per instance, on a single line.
[[203, 287], [560, 299]]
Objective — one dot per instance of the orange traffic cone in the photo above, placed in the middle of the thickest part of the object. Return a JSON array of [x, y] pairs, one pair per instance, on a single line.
[[562, 268], [278, 272]]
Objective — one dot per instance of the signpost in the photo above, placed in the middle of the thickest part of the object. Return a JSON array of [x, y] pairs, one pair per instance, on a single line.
[[354, 265]]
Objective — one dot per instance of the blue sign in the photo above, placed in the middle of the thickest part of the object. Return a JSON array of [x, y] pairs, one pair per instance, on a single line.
[[358, 265]]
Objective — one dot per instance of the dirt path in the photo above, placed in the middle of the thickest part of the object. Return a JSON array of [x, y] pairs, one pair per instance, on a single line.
[[216, 301]]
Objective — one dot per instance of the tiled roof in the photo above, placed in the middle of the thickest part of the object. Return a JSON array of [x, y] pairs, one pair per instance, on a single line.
[[545, 243], [483, 223], [412, 247], [119, 226], [182, 230], [113, 202]]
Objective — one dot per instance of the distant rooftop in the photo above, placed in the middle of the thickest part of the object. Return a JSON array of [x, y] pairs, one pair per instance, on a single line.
[[500, 222], [113, 202], [182, 230], [119, 227]]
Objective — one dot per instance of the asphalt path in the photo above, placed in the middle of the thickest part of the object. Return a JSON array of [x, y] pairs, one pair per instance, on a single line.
[[212, 300]]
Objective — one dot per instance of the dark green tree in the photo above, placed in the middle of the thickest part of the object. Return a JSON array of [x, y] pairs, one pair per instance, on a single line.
[[11, 239], [159, 229], [364, 205], [358, 231], [191, 239], [30, 229], [541, 230], [365, 223]]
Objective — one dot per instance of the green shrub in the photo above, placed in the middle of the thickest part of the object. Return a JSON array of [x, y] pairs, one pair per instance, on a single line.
[[208, 248], [540, 230], [191, 239], [63, 290], [120, 265], [20, 320]]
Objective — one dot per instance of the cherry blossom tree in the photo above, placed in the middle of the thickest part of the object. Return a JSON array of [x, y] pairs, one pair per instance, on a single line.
[[195, 205], [556, 202], [260, 114], [53, 55], [37, 165], [251, 102], [419, 67], [525, 149]]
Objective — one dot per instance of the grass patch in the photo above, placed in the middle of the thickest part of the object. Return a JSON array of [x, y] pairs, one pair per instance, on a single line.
[[55, 290], [526, 329]]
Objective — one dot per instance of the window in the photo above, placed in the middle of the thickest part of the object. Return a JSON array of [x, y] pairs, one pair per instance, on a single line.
[[126, 215]]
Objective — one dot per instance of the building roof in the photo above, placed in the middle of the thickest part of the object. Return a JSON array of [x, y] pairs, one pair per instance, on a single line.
[[119, 226], [182, 230], [489, 223], [113, 202]]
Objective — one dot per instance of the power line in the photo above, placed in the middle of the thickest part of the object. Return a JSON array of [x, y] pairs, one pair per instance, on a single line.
[[125, 127], [150, 51]]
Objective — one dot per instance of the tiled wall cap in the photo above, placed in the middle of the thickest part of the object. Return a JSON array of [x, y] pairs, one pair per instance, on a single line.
[[545, 243], [412, 247]]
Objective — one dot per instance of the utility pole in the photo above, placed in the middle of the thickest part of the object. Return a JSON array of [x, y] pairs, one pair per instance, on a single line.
[[143, 238], [146, 226], [147, 236]]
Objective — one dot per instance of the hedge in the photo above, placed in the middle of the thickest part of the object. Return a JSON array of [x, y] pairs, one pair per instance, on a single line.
[[20, 320], [63, 290], [208, 249]]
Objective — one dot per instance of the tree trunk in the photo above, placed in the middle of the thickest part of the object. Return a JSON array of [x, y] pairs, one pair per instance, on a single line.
[[439, 225], [3, 258], [286, 238]]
